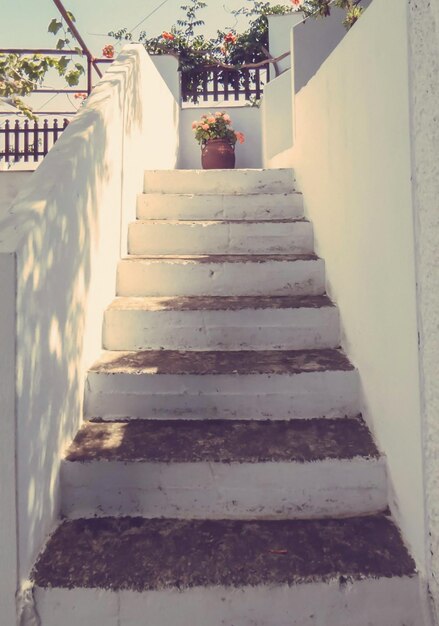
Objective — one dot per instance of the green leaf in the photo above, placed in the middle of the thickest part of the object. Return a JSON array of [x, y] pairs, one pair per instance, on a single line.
[[71, 16], [54, 26], [72, 78], [63, 63], [60, 44]]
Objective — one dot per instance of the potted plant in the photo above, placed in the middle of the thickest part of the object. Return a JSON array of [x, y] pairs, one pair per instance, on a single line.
[[217, 138]]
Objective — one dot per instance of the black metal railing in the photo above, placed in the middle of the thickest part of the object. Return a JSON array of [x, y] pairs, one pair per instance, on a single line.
[[29, 141], [212, 84]]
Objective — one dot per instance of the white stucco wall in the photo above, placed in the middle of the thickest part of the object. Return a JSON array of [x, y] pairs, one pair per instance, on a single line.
[[168, 67], [11, 183], [59, 246], [277, 121], [424, 77], [279, 34], [353, 162], [314, 40], [244, 118]]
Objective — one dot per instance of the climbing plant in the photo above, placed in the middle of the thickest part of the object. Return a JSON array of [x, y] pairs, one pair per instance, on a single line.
[[230, 49], [21, 75]]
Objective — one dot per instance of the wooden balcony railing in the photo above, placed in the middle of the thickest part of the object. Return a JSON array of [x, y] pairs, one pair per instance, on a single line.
[[29, 141], [212, 84]]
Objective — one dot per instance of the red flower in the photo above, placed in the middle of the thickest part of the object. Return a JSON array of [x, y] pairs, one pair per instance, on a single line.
[[108, 51], [297, 3], [80, 96], [230, 38], [168, 36]]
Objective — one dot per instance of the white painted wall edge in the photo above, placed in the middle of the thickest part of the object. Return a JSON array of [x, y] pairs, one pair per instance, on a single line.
[[65, 232]]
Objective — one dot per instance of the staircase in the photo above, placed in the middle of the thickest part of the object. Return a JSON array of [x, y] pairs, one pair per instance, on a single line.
[[224, 476]]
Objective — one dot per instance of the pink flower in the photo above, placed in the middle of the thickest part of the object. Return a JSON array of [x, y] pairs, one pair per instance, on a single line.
[[297, 3], [205, 127], [194, 124], [240, 137], [211, 120], [227, 118], [218, 114]]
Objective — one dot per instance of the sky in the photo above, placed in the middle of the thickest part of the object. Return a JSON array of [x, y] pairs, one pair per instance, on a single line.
[[24, 24]]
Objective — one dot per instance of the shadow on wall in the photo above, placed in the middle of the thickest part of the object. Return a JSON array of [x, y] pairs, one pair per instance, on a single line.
[[65, 230], [314, 40]]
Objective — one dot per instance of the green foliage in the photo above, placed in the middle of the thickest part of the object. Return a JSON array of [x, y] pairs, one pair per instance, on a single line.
[[195, 52], [20, 76], [191, 21]]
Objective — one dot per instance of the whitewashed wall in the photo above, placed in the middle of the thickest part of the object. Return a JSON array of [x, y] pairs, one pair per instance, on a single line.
[[244, 118], [352, 158], [424, 78], [168, 67], [59, 246], [314, 40], [11, 183], [277, 121]]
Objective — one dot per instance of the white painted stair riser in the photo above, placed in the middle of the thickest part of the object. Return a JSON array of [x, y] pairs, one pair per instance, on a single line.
[[255, 396], [219, 181], [245, 329], [145, 277], [369, 602], [168, 206], [208, 490], [165, 237]]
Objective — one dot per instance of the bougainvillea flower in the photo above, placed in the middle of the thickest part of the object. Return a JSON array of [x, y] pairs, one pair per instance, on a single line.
[[297, 3], [230, 38], [168, 36], [108, 51]]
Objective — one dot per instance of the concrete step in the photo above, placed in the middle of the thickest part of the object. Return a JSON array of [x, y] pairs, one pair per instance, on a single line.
[[224, 469], [233, 206], [221, 275], [237, 385], [220, 237], [221, 323], [150, 572], [256, 181]]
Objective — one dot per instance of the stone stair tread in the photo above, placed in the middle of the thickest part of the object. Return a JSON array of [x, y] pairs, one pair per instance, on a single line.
[[218, 303], [243, 362], [220, 194], [221, 441], [202, 222], [220, 258], [133, 553]]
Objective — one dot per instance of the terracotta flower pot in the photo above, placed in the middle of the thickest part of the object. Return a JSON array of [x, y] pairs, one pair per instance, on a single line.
[[218, 154]]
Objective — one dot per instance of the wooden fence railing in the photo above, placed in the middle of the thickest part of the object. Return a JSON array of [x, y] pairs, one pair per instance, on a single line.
[[28, 141], [215, 83]]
